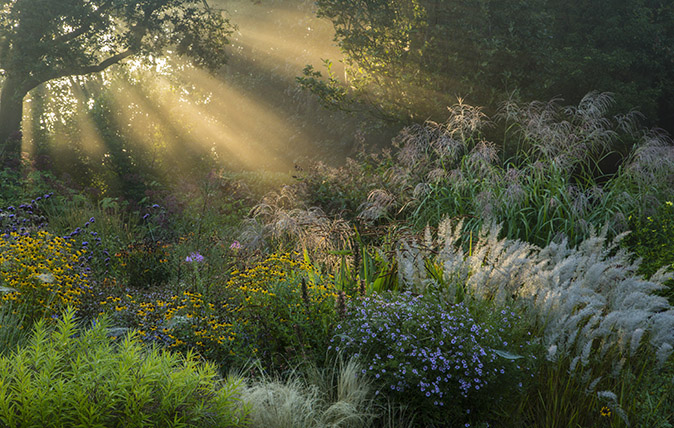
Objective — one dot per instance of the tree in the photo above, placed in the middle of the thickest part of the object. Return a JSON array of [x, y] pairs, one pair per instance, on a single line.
[[411, 58], [42, 40]]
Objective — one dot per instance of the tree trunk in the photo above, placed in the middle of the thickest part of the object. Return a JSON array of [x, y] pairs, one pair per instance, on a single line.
[[11, 113]]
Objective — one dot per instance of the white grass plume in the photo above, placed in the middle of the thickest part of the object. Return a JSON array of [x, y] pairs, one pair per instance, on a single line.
[[335, 397], [582, 299]]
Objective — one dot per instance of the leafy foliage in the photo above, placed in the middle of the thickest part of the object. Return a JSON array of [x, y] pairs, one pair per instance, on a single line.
[[145, 264], [66, 377], [408, 59], [44, 40], [651, 239], [12, 330]]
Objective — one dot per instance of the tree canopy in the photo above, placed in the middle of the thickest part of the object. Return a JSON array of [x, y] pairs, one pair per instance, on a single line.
[[409, 59], [42, 40]]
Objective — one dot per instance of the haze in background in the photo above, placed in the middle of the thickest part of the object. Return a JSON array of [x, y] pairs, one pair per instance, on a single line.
[[250, 115]]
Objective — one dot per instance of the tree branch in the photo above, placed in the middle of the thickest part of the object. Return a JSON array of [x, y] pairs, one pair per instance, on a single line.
[[82, 70], [100, 66]]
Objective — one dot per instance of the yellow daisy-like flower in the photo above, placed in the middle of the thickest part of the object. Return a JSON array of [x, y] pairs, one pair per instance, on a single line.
[[605, 412]]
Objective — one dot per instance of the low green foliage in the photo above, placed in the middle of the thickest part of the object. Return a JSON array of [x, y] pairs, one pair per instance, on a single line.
[[651, 239], [68, 377], [145, 264], [564, 394], [12, 331]]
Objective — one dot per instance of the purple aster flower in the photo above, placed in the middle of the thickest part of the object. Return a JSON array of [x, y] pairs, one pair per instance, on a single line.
[[236, 245], [194, 257]]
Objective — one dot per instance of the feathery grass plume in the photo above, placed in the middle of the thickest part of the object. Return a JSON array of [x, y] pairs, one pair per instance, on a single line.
[[612, 400], [285, 405], [411, 258], [278, 220], [334, 397], [464, 120], [652, 161], [567, 136], [378, 205], [583, 299]]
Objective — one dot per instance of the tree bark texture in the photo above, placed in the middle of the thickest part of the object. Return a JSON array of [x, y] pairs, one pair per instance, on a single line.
[[11, 112]]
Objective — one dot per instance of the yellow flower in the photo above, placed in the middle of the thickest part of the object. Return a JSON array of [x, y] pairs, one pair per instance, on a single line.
[[605, 412]]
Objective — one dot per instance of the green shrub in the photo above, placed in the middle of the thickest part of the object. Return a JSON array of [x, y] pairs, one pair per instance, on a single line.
[[651, 239], [288, 309], [260, 313], [145, 264], [442, 362], [65, 377], [341, 191], [18, 187]]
